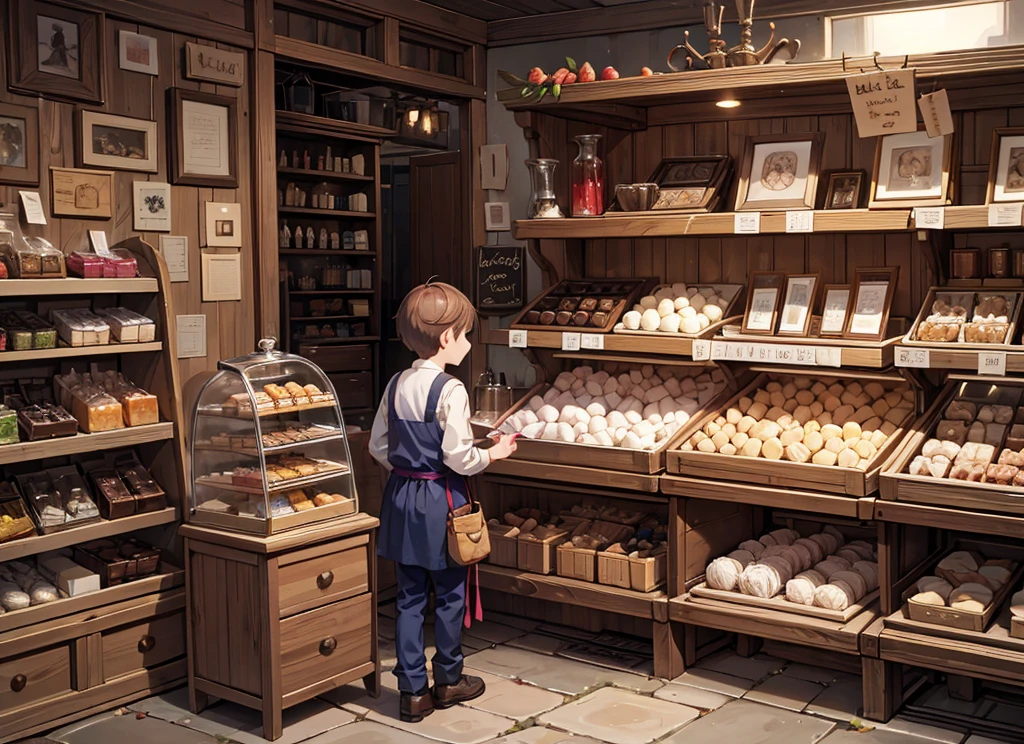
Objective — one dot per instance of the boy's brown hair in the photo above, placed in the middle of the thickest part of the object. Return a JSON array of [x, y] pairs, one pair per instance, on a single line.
[[428, 311]]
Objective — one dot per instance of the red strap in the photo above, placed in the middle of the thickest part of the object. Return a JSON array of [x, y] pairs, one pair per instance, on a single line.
[[477, 613]]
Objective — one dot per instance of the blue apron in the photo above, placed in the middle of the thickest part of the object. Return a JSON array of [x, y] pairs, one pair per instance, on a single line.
[[414, 512]]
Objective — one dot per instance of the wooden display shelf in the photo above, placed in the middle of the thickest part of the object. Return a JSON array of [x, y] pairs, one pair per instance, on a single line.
[[768, 495], [275, 486], [949, 519], [327, 175], [829, 353], [303, 292], [104, 528], [308, 318], [102, 440], [613, 342], [269, 450], [293, 121], [74, 286], [322, 252], [65, 352], [339, 340], [787, 627], [584, 476], [950, 357], [327, 212], [570, 591]]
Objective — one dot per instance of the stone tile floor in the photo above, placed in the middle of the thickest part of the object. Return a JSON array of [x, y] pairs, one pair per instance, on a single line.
[[536, 695]]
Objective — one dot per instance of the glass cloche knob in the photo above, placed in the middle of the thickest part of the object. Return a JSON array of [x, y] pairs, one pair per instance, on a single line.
[[267, 344]]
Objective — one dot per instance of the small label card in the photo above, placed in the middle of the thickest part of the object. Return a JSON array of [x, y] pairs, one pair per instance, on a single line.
[[98, 238], [592, 341], [800, 221], [571, 341], [1004, 215], [938, 119], [34, 212], [992, 363], [930, 218], [701, 350], [907, 357], [517, 339], [747, 223], [742, 351], [191, 336]]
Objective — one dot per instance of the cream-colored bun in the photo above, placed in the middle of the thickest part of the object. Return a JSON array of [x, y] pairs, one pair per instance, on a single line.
[[935, 585], [929, 598], [833, 596], [971, 596], [760, 580], [813, 548], [805, 556], [995, 575], [800, 590], [781, 565], [724, 573], [959, 562]]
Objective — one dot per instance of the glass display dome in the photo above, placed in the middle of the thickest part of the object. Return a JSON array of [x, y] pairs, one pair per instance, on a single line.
[[269, 450]]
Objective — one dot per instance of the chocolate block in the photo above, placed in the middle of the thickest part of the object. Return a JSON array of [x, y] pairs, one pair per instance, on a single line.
[[148, 495], [589, 304], [569, 304], [143, 559], [113, 497], [581, 318], [563, 318], [606, 306], [548, 303], [46, 422]]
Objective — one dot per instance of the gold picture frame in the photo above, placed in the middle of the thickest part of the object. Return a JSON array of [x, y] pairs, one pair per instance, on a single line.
[[1006, 169], [787, 167], [844, 190], [910, 178]]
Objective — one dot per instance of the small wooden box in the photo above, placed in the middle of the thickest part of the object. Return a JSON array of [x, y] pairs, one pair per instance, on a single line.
[[613, 569], [647, 574], [576, 563], [538, 555], [625, 293], [503, 548], [1013, 320]]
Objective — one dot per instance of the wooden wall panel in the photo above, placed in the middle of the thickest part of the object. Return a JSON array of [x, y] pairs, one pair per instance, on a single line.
[[230, 325]]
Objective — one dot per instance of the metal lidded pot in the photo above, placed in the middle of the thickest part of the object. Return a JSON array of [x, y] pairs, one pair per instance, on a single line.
[[492, 397]]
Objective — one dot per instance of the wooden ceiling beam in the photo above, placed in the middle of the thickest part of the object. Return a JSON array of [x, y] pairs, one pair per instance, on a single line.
[[426, 16], [659, 14], [482, 9]]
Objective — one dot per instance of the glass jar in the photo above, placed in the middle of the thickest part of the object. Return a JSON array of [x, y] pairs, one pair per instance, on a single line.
[[587, 178], [543, 202]]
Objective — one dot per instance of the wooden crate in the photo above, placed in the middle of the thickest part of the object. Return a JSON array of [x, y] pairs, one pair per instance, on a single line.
[[576, 563], [951, 617], [613, 569], [899, 485], [504, 549], [538, 556], [830, 479], [637, 288], [779, 603], [1014, 320], [647, 574]]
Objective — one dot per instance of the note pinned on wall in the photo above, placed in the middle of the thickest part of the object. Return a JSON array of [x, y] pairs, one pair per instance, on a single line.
[[884, 102], [191, 336]]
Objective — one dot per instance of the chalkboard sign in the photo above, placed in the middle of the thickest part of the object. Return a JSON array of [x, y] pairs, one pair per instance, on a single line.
[[500, 279]]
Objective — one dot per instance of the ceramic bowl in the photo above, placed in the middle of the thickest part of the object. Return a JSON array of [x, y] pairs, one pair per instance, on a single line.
[[637, 197]]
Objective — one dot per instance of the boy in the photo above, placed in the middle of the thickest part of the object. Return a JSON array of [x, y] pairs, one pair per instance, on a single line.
[[422, 435]]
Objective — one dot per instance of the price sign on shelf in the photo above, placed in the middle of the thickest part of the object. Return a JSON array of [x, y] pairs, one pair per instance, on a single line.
[[1004, 215], [701, 350], [907, 357], [800, 222], [929, 218], [992, 363], [571, 341], [747, 223], [517, 339], [592, 341]]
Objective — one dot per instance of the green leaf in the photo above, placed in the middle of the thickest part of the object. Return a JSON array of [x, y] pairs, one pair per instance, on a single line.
[[556, 91], [525, 92], [511, 79], [571, 64]]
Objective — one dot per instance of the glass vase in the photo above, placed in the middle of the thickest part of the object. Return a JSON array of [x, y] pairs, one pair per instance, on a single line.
[[543, 202], [587, 178]]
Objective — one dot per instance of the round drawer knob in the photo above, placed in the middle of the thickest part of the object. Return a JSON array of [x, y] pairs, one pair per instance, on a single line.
[[327, 646], [325, 579], [147, 643], [18, 682]]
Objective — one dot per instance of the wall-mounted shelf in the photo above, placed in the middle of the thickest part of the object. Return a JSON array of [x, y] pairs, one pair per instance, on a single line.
[[323, 252], [325, 175], [76, 352], [74, 286], [327, 213], [102, 440]]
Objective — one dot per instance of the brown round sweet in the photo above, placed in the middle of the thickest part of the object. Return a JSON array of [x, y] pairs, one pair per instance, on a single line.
[[532, 317], [581, 318], [599, 319], [588, 303], [547, 318], [564, 317]]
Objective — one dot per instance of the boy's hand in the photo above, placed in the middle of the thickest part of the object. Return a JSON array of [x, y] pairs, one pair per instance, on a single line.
[[505, 446]]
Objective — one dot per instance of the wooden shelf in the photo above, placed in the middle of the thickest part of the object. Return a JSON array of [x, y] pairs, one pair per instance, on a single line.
[[76, 352], [584, 476], [326, 317], [324, 174], [336, 340], [327, 213], [292, 121], [330, 291], [569, 591], [74, 286], [103, 440], [772, 496], [322, 252], [948, 357], [958, 520], [104, 528], [613, 342]]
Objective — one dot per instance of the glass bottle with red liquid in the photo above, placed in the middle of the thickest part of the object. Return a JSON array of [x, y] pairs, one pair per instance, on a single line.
[[587, 178]]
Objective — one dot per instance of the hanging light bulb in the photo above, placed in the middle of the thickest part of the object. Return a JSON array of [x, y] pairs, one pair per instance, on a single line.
[[411, 117], [428, 122]]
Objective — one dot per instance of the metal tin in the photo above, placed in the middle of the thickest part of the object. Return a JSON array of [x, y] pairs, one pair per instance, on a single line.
[[999, 262], [965, 263]]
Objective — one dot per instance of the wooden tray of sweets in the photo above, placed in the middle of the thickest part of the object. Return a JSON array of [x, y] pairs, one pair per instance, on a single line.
[[808, 476], [586, 305], [779, 603], [965, 619], [897, 483], [954, 296], [736, 295]]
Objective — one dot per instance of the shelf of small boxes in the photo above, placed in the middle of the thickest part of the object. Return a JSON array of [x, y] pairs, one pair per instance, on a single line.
[[967, 451], [815, 586], [607, 545], [817, 432]]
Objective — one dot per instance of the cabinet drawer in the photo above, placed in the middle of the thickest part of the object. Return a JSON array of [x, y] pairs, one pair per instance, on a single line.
[[308, 582], [339, 358], [354, 389], [34, 677], [144, 645], [324, 643]]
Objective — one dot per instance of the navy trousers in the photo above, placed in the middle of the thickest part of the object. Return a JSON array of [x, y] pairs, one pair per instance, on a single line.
[[450, 608]]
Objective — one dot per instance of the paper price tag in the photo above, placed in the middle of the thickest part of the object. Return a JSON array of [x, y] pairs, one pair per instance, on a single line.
[[701, 350], [930, 218], [98, 238], [1004, 215], [828, 356], [747, 223], [938, 119], [907, 357], [992, 363], [883, 102], [800, 222], [592, 341], [517, 339], [34, 212], [571, 341]]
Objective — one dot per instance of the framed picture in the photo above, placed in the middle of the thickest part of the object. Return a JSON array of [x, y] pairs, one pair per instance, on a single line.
[[779, 171], [223, 224], [81, 193], [911, 170], [764, 296], [798, 304], [1006, 172], [222, 276], [692, 184], [19, 145], [844, 190], [118, 142], [137, 53], [203, 138], [496, 217], [55, 51], [833, 310], [214, 65], [872, 300], [152, 206]]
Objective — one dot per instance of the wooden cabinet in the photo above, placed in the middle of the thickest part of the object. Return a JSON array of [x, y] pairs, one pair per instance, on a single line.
[[35, 677], [274, 621]]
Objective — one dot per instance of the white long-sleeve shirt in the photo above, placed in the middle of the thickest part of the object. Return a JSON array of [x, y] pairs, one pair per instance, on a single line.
[[453, 414]]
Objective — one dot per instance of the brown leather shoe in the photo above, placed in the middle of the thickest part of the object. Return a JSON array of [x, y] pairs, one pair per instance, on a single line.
[[467, 688], [414, 708]]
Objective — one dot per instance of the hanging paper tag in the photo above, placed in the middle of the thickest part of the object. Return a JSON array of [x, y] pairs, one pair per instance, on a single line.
[[800, 222], [98, 238], [747, 223], [517, 339], [938, 119], [883, 102]]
